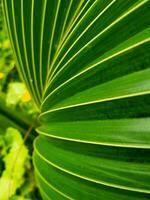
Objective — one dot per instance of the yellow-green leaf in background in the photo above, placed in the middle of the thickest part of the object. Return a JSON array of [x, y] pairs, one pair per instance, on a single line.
[[12, 177]]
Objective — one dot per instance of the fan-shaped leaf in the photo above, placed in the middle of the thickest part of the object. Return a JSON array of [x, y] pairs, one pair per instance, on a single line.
[[86, 64]]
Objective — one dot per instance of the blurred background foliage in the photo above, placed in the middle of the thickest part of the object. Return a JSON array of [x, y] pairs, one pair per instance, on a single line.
[[17, 122]]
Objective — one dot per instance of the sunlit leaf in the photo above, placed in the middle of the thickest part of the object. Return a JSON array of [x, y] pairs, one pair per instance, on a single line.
[[14, 161]]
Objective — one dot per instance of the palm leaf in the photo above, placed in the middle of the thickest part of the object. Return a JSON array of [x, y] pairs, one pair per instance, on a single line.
[[87, 67]]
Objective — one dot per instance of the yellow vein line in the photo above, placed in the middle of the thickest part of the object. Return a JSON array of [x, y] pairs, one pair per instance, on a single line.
[[51, 40], [69, 37], [93, 66], [97, 101], [41, 44], [17, 49], [49, 184], [115, 144], [102, 32], [69, 28], [89, 179], [88, 27], [43, 193], [25, 49], [33, 56], [65, 21], [6, 19], [67, 32]]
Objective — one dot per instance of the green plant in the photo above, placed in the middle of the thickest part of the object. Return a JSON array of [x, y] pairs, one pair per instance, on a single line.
[[16, 171], [17, 115], [86, 66], [11, 179]]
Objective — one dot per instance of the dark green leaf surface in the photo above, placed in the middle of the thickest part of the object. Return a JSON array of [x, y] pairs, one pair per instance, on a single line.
[[86, 64]]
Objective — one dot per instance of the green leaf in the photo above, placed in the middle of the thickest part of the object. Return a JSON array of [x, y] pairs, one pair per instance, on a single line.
[[115, 132], [14, 161], [86, 64]]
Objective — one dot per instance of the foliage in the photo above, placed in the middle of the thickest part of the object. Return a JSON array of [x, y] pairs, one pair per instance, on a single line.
[[86, 65], [6, 58], [14, 161], [17, 116]]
